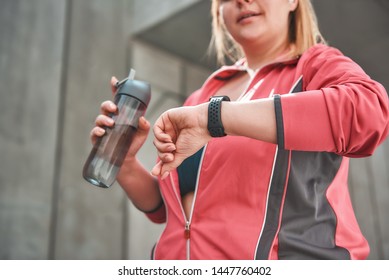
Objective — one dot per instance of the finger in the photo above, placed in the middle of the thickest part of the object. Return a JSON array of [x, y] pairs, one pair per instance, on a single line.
[[163, 147], [166, 157], [156, 171], [108, 107], [141, 136], [160, 135], [103, 120], [143, 125], [167, 167], [113, 85], [95, 133]]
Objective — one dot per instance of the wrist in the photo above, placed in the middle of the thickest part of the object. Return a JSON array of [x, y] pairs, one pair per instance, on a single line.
[[130, 160], [130, 165]]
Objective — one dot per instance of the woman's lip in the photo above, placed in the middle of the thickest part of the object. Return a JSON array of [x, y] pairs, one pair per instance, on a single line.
[[247, 15]]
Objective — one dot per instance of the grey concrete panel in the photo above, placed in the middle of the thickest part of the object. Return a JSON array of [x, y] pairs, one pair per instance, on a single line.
[[360, 29], [195, 78], [90, 219], [159, 68], [186, 34], [143, 14], [31, 49]]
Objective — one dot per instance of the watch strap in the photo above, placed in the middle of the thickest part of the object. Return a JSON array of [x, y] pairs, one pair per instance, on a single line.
[[215, 125]]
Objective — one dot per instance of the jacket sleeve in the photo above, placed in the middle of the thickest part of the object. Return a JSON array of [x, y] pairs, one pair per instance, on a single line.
[[157, 216], [341, 109]]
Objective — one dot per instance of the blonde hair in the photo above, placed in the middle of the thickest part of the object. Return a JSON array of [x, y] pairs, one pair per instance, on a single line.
[[303, 32]]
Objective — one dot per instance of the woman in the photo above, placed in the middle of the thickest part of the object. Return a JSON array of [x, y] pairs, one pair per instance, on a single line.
[[265, 175]]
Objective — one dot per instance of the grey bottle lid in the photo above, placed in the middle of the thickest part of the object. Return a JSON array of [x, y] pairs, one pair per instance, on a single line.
[[138, 89]]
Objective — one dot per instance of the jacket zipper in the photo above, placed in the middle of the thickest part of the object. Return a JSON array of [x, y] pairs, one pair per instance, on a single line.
[[187, 238], [270, 181], [187, 225]]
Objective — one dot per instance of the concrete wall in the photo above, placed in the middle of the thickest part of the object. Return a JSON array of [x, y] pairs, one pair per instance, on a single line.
[[144, 16], [31, 49], [56, 60]]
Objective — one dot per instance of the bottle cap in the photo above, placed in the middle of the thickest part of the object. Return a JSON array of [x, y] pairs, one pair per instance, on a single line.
[[134, 88]]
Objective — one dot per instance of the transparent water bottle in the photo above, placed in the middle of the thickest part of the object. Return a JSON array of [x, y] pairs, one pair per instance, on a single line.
[[132, 98]]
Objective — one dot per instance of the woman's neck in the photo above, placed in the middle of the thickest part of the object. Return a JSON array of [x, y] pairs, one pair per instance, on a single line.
[[260, 56]]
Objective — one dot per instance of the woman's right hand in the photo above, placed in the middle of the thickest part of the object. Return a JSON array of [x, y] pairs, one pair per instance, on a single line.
[[104, 120]]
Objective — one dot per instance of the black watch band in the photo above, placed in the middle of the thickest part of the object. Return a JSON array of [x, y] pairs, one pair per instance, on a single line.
[[215, 126]]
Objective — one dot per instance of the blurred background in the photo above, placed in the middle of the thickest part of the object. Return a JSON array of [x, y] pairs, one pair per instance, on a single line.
[[56, 61]]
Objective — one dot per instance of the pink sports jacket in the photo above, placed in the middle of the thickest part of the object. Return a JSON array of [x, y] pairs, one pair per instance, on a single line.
[[256, 200]]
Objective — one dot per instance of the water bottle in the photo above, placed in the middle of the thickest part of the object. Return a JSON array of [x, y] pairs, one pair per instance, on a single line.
[[132, 98]]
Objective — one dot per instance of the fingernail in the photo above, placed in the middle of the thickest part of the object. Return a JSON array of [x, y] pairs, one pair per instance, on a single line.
[[101, 131], [172, 148], [164, 175]]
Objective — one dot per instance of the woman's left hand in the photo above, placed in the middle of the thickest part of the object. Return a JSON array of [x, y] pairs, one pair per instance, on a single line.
[[179, 133]]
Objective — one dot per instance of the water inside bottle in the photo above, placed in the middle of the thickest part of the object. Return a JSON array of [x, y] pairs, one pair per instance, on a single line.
[[108, 154]]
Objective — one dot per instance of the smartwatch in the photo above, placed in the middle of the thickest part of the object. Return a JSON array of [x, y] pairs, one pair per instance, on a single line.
[[215, 126]]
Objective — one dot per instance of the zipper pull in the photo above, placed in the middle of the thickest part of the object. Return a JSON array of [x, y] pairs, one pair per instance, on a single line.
[[187, 230]]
